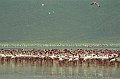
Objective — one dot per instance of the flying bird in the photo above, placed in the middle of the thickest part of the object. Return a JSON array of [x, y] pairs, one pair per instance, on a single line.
[[95, 3]]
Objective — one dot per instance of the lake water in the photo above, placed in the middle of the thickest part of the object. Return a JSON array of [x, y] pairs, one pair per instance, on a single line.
[[36, 71], [28, 20]]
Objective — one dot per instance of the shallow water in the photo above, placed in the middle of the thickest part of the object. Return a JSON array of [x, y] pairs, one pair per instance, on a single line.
[[36, 71]]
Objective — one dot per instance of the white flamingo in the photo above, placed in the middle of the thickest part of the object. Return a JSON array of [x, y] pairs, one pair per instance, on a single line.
[[2, 55], [70, 59], [52, 56], [60, 59]]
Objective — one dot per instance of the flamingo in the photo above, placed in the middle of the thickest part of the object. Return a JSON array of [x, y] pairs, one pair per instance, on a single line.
[[70, 59], [52, 56]]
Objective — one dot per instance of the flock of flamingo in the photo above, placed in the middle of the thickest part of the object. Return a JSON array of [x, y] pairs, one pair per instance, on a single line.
[[62, 56]]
